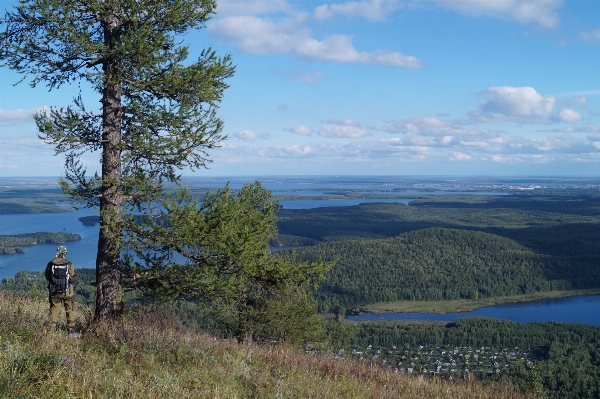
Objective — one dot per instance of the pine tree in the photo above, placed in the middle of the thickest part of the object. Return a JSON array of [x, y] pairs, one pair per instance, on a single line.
[[216, 253], [158, 111]]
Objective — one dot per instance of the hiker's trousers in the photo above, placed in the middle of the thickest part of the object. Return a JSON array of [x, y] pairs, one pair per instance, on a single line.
[[56, 303]]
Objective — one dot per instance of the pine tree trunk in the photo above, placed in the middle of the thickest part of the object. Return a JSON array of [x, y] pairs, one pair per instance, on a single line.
[[108, 268]]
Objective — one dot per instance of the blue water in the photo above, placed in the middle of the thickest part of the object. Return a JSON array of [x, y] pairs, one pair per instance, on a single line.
[[82, 252], [579, 309]]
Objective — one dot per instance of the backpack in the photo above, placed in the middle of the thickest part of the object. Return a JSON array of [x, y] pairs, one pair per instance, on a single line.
[[59, 281]]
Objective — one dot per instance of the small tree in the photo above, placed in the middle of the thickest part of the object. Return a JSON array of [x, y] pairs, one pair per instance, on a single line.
[[216, 253], [158, 115]]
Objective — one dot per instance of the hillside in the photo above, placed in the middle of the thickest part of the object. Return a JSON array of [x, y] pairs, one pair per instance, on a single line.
[[150, 354], [440, 264]]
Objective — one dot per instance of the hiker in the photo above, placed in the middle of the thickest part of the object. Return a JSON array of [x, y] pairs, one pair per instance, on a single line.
[[60, 274]]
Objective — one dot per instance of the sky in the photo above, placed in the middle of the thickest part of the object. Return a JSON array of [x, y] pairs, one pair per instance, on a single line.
[[378, 87]]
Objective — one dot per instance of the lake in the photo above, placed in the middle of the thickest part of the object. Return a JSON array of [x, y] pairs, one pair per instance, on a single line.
[[583, 309], [82, 252]]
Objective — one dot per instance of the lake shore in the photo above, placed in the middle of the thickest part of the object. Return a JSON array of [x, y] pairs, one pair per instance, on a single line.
[[465, 305]]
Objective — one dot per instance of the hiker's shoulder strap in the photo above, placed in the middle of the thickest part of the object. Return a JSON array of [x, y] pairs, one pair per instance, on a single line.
[[48, 270]]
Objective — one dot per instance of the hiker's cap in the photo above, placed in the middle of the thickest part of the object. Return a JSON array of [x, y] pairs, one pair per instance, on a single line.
[[61, 251]]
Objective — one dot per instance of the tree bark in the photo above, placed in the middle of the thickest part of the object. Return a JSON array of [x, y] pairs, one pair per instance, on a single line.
[[108, 268]]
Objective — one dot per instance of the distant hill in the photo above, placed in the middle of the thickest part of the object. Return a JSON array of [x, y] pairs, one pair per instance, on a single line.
[[440, 264], [27, 206]]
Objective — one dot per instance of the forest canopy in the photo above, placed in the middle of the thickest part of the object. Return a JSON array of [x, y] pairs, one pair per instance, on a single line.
[[445, 264]]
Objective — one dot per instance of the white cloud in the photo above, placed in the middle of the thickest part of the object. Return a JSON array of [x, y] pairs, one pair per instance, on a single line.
[[432, 127], [341, 129], [595, 140], [11, 117], [590, 35], [514, 103], [257, 35], [25, 141], [505, 159], [459, 156], [302, 130], [373, 10], [30, 155], [568, 115], [412, 148], [295, 150], [541, 12], [476, 142], [249, 135], [339, 48]]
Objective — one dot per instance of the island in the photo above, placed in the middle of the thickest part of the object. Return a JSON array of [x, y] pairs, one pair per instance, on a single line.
[[11, 244]]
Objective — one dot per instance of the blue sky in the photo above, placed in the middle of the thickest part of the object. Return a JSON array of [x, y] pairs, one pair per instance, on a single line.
[[380, 87]]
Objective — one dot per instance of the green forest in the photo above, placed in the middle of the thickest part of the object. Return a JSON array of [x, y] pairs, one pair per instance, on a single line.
[[449, 247], [31, 200], [35, 284], [444, 264], [502, 215]]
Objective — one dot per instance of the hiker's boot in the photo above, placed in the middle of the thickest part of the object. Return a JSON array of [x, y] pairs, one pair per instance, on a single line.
[[73, 333]]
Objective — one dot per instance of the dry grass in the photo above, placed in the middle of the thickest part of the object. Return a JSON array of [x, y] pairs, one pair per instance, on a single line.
[[149, 354]]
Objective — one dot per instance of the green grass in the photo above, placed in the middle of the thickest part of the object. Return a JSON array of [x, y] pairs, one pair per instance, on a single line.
[[466, 305], [149, 354]]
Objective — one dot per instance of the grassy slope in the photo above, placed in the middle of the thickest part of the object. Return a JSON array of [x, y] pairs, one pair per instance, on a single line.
[[149, 354]]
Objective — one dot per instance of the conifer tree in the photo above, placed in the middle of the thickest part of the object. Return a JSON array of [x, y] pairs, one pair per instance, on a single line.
[[216, 253], [158, 111]]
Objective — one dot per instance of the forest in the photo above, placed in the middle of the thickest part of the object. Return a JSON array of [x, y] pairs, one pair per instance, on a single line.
[[10, 244], [502, 215], [437, 264], [449, 247], [31, 200], [566, 356]]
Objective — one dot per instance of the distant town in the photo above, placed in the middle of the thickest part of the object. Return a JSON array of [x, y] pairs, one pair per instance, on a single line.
[[447, 362]]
